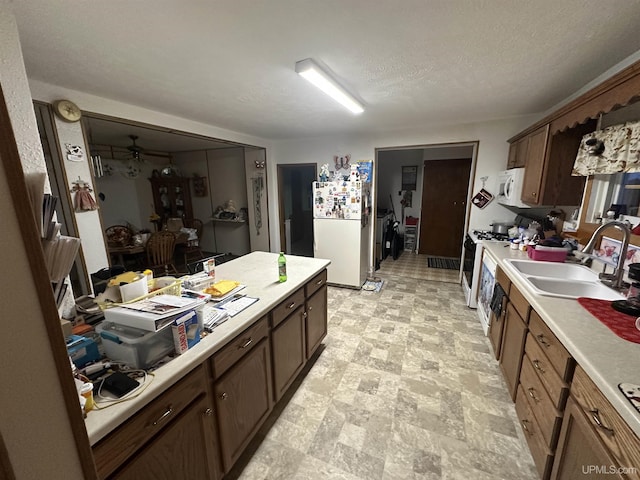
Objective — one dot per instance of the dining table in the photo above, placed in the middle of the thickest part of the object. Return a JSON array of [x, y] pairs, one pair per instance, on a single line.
[[119, 252]]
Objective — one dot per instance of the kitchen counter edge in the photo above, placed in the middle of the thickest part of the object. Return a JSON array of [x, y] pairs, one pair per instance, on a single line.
[[608, 359], [256, 270]]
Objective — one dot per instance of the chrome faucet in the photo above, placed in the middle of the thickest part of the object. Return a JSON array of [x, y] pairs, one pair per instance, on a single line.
[[614, 280]]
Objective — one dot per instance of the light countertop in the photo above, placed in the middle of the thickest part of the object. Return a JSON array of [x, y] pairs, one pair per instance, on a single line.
[[259, 272], [608, 359]]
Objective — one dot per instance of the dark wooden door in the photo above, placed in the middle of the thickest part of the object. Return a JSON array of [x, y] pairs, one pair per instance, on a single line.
[[316, 324], [243, 401], [514, 334], [184, 450], [287, 347], [580, 453], [444, 195]]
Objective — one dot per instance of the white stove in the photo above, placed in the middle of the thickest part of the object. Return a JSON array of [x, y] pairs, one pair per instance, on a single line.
[[472, 264]]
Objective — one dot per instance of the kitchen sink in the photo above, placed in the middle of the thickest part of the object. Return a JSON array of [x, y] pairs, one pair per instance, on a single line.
[[572, 289], [564, 280], [567, 271]]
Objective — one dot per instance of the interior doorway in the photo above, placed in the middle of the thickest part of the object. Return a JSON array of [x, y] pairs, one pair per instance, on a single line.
[[398, 198], [295, 206], [444, 206]]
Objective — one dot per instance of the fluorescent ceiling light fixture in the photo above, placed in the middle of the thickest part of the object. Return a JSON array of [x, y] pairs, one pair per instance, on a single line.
[[311, 71]]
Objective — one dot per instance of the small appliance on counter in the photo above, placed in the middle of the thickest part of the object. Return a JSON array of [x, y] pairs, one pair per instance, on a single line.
[[631, 306]]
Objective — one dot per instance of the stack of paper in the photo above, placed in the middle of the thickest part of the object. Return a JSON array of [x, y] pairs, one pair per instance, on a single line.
[[212, 317], [153, 313]]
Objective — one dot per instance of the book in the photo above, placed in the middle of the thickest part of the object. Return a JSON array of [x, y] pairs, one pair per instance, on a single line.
[[146, 320]]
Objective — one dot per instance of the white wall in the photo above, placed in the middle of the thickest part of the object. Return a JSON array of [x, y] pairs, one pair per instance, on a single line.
[[33, 417], [492, 154]]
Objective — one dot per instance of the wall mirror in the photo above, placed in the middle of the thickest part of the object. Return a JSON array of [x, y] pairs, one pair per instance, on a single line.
[[620, 191]]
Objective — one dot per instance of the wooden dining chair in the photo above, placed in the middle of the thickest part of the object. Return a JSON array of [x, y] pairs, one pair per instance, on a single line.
[[160, 250]]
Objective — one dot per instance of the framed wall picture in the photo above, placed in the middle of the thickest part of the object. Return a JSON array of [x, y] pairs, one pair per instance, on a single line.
[[200, 186], [409, 178]]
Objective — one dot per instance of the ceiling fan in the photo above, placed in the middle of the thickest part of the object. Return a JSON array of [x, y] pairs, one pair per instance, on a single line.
[[132, 156], [137, 152]]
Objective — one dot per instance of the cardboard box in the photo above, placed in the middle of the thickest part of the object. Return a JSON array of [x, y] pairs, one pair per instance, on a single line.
[[186, 332]]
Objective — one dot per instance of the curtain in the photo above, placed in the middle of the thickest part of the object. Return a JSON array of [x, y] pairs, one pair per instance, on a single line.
[[611, 150]]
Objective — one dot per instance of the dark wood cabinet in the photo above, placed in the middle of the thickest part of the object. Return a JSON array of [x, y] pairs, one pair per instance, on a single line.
[[288, 349], [518, 153], [316, 320], [171, 197], [548, 165], [183, 451], [243, 401], [581, 454], [165, 425], [512, 348], [540, 451]]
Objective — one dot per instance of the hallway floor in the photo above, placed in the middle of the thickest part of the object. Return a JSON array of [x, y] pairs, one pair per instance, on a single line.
[[406, 387]]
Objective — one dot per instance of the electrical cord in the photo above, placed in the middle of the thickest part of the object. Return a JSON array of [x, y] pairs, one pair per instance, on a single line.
[[136, 392]]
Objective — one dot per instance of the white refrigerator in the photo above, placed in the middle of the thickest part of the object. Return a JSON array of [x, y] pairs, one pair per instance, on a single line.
[[341, 230]]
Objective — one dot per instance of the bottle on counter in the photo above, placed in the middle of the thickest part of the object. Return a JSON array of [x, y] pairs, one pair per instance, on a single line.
[[282, 268]]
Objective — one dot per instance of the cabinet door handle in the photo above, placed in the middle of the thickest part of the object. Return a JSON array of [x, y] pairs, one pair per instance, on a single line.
[[208, 412], [304, 315], [224, 396], [310, 308], [525, 427], [595, 414], [293, 304], [532, 393], [542, 341], [247, 343], [319, 282], [167, 412], [536, 365]]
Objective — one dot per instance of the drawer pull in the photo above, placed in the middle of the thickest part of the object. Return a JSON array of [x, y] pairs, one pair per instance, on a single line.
[[319, 282], [247, 343], [542, 341], [291, 305], [595, 414], [525, 427], [224, 396], [532, 393], [208, 412], [168, 412], [536, 365]]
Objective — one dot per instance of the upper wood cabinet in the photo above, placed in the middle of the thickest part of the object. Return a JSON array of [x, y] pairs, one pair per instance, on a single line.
[[548, 162], [518, 153], [171, 197]]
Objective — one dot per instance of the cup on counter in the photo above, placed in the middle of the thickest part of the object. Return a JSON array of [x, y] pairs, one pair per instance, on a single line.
[[87, 392]]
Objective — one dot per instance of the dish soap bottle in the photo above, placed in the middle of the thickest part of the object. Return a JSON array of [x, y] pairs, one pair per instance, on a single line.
[[282, 268]]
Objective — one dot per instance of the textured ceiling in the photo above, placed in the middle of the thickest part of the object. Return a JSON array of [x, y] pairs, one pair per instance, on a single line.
[[230, 63]]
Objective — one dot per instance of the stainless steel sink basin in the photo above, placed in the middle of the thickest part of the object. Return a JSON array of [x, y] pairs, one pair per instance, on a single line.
[[565, 280], [568, 271], [571, 289]]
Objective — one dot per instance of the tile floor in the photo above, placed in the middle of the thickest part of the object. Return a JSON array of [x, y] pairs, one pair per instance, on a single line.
[[406, 387]]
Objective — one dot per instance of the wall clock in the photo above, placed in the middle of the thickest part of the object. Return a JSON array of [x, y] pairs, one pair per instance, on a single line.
[[67, 110]]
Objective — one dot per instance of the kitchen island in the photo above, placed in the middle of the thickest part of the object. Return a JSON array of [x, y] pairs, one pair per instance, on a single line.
[[595, 406], [220, 391]]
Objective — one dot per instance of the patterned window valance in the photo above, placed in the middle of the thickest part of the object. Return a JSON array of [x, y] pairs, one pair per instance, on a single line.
[[611, 150]]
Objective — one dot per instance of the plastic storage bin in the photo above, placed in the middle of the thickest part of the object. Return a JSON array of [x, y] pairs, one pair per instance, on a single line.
[[134, 347], [547, 254]]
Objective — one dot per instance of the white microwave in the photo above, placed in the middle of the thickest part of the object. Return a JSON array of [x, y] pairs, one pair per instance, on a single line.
[[510, 184]]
